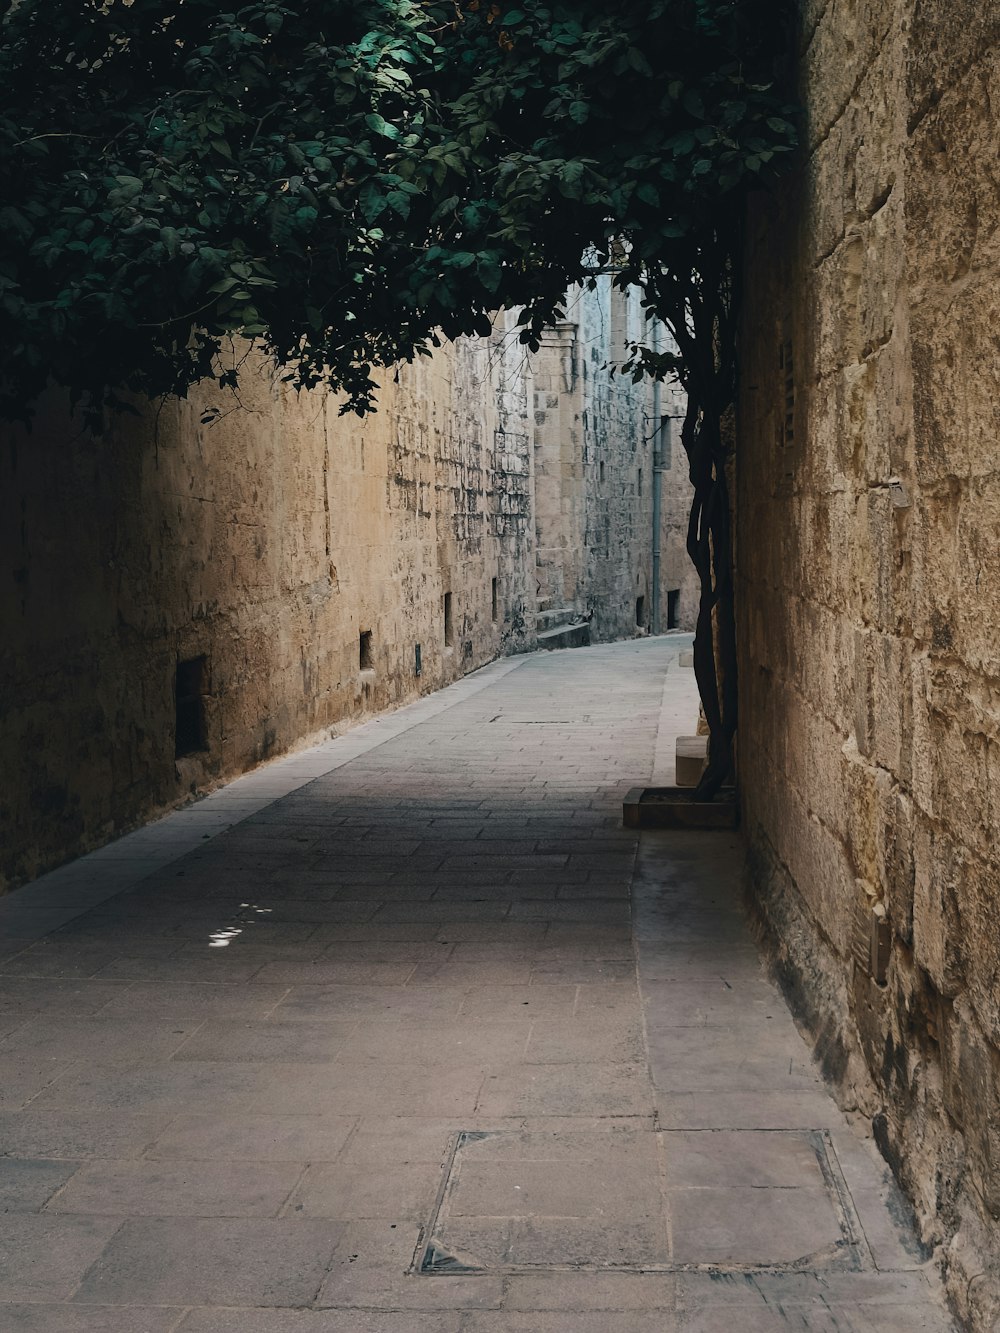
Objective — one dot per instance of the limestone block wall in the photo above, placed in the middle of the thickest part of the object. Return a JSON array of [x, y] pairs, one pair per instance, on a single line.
[[181, 601], [260, 549], [559, 469], [680, 590], [594, 474], [868, 522], [617, 503]]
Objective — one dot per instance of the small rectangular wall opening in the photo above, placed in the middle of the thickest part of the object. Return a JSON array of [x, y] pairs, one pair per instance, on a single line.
[[449, 628], [640, 481], [673, 601], [640, 612], [190, 688], [418, 664], [494, 601], [600, 471], [365, 658]]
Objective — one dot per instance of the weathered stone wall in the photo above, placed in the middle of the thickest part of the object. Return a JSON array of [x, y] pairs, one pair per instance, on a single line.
[[266, 544], [680, 590], [870, 617], [616, 500], [594, 474]]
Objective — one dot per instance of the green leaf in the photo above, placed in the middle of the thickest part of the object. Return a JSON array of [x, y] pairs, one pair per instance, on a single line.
[[380, 126], [373, 202], [638, 62], [399, 202], [489, 272], [13, 223]]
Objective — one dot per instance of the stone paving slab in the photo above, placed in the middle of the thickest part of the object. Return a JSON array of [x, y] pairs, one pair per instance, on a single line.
[[48, 1318], [415, 992], [211, 1261]]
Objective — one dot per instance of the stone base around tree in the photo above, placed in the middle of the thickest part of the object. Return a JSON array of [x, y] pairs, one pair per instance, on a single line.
[[677, 807]]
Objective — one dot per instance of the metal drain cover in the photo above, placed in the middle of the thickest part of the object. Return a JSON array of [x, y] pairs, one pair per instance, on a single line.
[[642, 1201]]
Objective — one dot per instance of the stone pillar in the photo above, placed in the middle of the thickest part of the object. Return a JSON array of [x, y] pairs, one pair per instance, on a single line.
[[559, 480]]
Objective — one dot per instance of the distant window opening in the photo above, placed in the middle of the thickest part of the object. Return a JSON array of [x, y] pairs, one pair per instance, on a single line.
[[640, 612], [449, 628], [673, 602], [365, 659], [418, 666], [494, 601], [190, 687], [600, 471], [640, 481]]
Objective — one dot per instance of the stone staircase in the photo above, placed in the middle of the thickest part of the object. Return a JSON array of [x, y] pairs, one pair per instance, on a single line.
[[560, 627]]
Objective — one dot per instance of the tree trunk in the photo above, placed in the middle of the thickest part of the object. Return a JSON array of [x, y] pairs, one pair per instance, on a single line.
[[710, 548]]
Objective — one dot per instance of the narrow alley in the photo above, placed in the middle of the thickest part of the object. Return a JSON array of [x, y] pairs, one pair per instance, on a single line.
[[406, 1034]]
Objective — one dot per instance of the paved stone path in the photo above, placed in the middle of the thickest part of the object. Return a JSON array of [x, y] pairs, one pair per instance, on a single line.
[[359, 1045]]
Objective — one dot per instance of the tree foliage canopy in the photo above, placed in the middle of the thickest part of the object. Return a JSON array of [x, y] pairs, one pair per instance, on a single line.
[[342, 179]]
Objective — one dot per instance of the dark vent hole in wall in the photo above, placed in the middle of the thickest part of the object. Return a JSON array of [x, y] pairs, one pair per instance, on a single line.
[[640, 481], [600, 471], [449, 629], [365, 658], [673, 601], [494, 595], [640, 612], [418, 665], [190, 687]]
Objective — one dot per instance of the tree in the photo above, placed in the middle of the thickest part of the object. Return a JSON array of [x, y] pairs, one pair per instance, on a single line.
[[344, 181]]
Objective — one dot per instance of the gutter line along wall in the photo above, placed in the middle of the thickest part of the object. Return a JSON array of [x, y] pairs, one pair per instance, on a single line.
[[869, 514], [185, 601]]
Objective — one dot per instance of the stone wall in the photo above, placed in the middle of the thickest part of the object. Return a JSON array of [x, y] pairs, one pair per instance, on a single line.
[[267, 545], [680, 590], [869, 513], [594, 471], [182, 601]]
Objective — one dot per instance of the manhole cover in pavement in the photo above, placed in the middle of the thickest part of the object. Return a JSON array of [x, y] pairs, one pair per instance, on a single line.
[[639, 1200]]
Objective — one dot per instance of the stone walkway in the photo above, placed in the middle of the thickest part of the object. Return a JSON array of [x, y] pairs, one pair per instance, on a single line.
[[360, 1045]]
